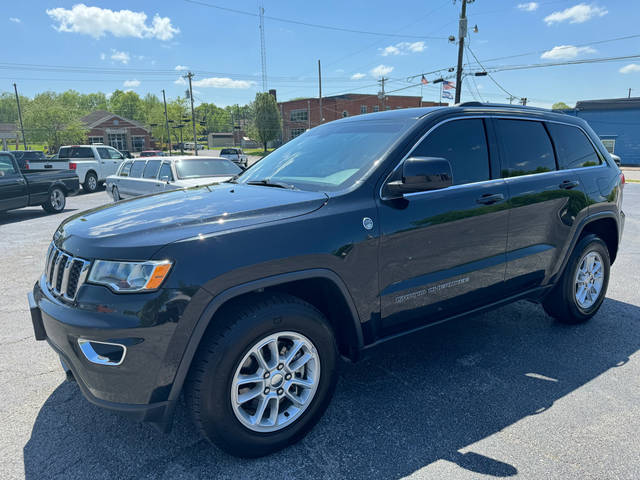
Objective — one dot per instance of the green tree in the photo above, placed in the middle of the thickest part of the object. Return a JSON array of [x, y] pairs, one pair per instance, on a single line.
[[266, 124], [560, 106], [127, 105], [48, 120]]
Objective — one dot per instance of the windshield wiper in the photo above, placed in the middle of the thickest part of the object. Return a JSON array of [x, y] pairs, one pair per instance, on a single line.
[[270, 183]]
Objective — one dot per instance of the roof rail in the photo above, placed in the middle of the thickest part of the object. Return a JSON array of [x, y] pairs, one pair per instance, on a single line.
[[501, 105]]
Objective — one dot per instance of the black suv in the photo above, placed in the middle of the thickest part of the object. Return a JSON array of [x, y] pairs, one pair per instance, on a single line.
[[243, 295]]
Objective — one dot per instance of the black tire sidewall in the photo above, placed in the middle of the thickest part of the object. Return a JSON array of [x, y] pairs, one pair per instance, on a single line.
[[587, 244], [86, 183], [217, 416], [49, 207], [116, 193]]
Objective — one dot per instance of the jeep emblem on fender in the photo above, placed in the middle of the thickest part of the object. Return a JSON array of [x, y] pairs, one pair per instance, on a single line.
[[367, 223]]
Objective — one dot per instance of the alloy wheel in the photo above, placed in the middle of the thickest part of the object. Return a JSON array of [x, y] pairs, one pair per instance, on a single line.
[[589, 280]]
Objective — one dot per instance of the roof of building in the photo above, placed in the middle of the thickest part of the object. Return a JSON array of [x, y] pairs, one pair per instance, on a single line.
[[609, 104], [100, 116], [349, 96]]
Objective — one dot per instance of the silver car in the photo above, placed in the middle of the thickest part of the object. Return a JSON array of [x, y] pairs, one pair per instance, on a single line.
[[143, 176]]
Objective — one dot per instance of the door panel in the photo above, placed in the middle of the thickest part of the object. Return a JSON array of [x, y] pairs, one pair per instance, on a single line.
[[13, 187], [443, 252]]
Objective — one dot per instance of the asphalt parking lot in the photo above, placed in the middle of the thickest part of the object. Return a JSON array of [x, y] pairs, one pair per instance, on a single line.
[[508, 393]]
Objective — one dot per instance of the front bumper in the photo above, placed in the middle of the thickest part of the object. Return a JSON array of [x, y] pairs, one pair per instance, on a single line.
[[138, 387]]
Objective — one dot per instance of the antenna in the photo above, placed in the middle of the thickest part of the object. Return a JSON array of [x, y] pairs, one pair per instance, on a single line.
[[263, 51]]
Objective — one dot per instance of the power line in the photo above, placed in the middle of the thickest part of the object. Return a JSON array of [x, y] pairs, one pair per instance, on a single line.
[[488, 74], [307, 24]]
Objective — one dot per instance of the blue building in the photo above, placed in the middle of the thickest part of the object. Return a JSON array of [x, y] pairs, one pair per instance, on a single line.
[[617, 123]]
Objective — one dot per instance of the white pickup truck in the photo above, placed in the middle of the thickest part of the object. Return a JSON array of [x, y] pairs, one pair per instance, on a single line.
[[236, 155], [92, 163]]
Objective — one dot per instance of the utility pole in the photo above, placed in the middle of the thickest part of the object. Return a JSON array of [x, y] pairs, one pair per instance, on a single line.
[[523, 101], [263, 50], [193, 115], [24, 140], [166, 120], [309, 114], [511, 98], [382, 95], [462, 33], [320, 92], [627, 97]]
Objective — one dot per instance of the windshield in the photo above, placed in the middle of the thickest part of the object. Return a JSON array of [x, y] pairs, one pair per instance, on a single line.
[[228, 151], [328, 158], [206, 167]]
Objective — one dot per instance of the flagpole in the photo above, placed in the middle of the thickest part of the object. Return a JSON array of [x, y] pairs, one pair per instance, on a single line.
[[440, 103]]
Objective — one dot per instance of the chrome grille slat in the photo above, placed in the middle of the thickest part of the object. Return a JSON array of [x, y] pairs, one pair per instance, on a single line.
[[61, 270]]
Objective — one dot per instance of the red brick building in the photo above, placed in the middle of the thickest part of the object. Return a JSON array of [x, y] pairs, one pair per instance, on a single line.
[[299, 115], [121, 133]]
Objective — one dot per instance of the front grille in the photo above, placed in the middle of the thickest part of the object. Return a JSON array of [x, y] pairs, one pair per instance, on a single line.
[[65, 273]]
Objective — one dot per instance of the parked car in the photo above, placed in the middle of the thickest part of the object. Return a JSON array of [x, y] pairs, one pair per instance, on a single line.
[[153, 175], [236, 155], [152, 153], [93, 163], [26, 157], [243, 295], [189, 146], [26, 187], [126, 153]]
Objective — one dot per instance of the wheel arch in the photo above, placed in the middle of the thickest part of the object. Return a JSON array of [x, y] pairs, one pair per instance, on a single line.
[[332, 297]]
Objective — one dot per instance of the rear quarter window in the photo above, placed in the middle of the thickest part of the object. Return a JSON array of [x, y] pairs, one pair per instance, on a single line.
[[126, 168], [573, 147], [526, 148]]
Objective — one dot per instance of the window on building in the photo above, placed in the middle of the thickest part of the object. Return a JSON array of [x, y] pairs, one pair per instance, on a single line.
[[363, 109], [294, 132], [573, 148], [151, 170], [137, 143], [538, 155], [464, 144], [118, 140], [93, 140], [345, 113], [609, 144], [376, 108], [300, 115]]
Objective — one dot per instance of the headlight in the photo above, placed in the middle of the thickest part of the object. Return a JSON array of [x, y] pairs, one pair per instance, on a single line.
[[130, 276]]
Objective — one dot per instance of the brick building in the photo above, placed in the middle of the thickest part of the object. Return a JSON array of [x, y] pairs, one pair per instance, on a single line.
[[121, 133], [299, 115]]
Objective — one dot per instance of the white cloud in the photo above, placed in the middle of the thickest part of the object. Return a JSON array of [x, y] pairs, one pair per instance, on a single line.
[[222, 82], [180, 81], [97, 22], [403, 48], [381, 70], [103, 56], [528, 7], [577, 14], [132, 83], [120, 56], [15, 20], [358, 76], [179, 68], [632, 67], [563, 52]]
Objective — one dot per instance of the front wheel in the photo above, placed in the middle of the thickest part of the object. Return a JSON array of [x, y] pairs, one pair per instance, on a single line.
[[263, 375], [115, 193], [56, 201], [582, 288]]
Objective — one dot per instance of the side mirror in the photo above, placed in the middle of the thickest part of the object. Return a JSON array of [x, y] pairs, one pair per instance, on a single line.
[[165, 178], [421, 174]]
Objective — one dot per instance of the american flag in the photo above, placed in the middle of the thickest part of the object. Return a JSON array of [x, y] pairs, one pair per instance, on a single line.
[[424, 80], [447, 95], [448, 85]]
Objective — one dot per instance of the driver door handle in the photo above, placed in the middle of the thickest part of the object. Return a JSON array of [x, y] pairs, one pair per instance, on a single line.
[[490, 198], [569, 184]]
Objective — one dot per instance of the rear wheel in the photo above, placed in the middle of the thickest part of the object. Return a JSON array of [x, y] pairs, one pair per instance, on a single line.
[[56, 201], [263, 375], [90, 184], [115, 193], [582, 288]]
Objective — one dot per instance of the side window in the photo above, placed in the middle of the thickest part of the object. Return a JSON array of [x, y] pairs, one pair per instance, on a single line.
[[464, 144], [64, 153], [572, 146], [137, 168], [7, 169], [82, 152], [526, 148], [115, 154], [126, 168], [151, 170], [104, 153], [165, 172]]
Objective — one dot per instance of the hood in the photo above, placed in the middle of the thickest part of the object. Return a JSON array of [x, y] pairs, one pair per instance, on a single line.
[[201, 181], [135, 229]]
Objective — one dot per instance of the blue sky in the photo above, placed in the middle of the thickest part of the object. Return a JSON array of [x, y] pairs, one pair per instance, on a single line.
[[144, 45]]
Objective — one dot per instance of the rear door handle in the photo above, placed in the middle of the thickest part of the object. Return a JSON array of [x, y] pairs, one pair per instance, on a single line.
[[490, 198], [569, 184]]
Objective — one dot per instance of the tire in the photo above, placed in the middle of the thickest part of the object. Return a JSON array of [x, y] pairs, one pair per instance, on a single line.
[[56, 202], [228, 350], [564, 302], [115, 193], [90, 184]]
